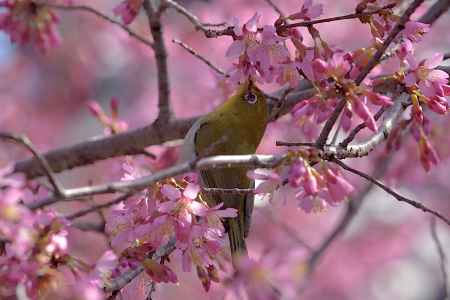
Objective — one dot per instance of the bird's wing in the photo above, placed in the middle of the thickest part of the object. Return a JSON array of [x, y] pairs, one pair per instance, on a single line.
[[208, 141], [188, 151]]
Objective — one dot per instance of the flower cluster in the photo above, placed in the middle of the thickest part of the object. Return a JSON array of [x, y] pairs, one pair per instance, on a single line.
[[427, 86], [263, 55], [315, 188], [29, 22], [166, 212], [32, 245]]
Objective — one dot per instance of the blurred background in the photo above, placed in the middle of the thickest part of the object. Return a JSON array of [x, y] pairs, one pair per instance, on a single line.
[[385, 253]]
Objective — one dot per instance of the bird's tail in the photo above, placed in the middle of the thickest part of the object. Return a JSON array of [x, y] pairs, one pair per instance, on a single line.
[[237, 240]]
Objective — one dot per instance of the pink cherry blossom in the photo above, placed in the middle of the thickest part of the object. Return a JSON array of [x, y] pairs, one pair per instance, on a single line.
[[415, 30], [159, 272], [360, 108], [308, 11], [128, 10], [338, 187], [27, 22]]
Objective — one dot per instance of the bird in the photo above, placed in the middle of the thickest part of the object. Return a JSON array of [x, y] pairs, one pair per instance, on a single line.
[[234, 128]]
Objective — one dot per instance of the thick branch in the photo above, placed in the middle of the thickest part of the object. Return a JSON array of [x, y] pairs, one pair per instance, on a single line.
[[363, 148], [132, 142], [220, 161], [156, 29], [435, 11], [88, 152]]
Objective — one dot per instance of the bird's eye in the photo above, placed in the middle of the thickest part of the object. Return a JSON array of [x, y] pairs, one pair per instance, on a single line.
[[251, 98]]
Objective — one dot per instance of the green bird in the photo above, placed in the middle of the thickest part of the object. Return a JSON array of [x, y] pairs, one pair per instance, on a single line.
[[234, 128]]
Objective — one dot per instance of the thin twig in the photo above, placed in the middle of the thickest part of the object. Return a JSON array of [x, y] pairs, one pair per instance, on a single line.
[[353, 207], [97, 207], [289, 231], [235, 191], [392, 35], [156, 28], [24, 141], [363, 148], [208, 32], [442, 257], [121, 281], [267, 161], [339, 18], [295, 144], [131, 186], [322, 140], [132, 142], [325, 132], [202, 58], [360, 127], [397, 196], [88, 9], [275, 7]]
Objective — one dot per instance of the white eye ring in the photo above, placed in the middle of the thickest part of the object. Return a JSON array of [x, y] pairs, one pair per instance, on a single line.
[[251, 98]]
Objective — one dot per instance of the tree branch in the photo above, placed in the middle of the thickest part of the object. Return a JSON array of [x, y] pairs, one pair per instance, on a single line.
[[322, 140], [353, 207], [159, 46], [434, 12], [132, 142], [85, 153], [339, 18], [363, 148], [130, 186], [392, 35], [208, 32], [442, 257], [97, 207], [360, 127], [125, 278], [397, 196], [88, 9], [40, 159], [200, 57], [274, 7]]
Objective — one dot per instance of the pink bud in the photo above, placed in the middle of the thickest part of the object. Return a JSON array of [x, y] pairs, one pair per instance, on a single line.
[[95, 108], [438, 104], [319, 66], [310, 184], [114, 104], [428, 155], [378, 99], [363, 112]]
